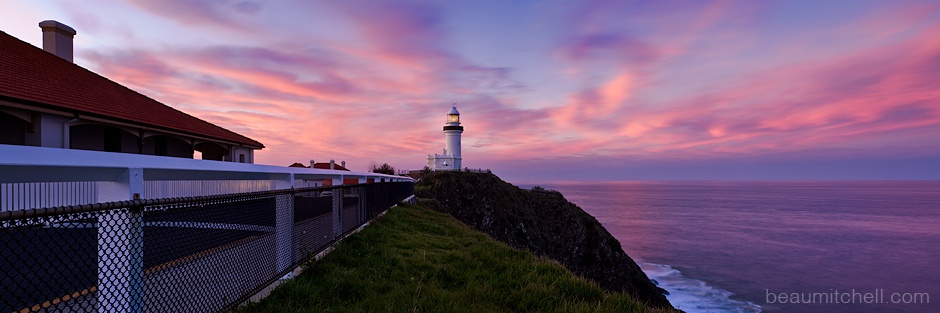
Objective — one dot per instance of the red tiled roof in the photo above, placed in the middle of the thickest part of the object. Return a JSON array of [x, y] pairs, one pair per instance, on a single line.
[[30, 74], [326, 166]]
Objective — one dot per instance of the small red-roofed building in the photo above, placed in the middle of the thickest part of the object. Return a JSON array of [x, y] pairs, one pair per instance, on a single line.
[[323, 166], [46, 100], [331, 166]]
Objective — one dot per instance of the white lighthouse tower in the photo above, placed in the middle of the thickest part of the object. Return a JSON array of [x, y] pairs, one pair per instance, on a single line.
[[450, 159]]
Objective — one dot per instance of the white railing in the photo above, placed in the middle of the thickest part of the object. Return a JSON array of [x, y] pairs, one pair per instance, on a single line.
[[157, 189], [36, 177], [21, 196]]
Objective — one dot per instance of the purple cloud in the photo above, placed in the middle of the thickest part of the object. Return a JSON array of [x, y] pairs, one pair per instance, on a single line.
[[225, 13]]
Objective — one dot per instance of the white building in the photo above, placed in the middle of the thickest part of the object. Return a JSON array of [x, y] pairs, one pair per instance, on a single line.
[[48, 101], [450, 159]]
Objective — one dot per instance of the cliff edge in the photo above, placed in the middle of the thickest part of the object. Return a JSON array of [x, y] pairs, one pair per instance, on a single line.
[[543, 222]]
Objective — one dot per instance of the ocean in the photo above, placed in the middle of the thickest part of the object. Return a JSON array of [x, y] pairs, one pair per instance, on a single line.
[[788, 246]]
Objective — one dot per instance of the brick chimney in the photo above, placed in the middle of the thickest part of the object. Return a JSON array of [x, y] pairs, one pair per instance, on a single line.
[[343, 164], [332, 164], [57, 39]]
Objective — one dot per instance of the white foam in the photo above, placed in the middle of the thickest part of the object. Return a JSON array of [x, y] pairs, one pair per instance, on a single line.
[[692, 295]]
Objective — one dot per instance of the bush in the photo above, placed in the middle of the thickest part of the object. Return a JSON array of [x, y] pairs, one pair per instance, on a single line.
[[384, 169]]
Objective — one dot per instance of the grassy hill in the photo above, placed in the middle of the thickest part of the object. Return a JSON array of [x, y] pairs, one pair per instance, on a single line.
[[543, 222], [418, 260]]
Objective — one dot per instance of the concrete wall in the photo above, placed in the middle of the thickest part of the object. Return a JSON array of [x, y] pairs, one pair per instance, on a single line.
[[29, 128], [52, 130], [242, 155], [436, 162]]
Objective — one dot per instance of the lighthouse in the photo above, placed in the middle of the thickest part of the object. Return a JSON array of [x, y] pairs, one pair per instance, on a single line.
[[450, 159]]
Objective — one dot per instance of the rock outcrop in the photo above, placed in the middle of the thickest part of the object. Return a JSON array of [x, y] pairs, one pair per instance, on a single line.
[[543, 222]]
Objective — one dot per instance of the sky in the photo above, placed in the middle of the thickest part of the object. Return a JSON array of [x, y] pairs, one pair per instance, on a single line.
[[547, 90]]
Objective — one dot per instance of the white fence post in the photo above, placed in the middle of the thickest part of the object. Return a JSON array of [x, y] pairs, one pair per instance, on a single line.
[[121, 246]]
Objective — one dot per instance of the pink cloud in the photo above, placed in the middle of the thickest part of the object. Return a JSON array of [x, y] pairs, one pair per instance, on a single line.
[[224, 14], [270, 100], [402, 34], [638, 94], [852, 100]]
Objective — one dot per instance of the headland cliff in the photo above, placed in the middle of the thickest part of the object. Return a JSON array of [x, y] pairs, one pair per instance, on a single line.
[[541, 221]]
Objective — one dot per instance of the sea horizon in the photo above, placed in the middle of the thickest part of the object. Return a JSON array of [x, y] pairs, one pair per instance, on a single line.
[[528, 182], [728, 246]]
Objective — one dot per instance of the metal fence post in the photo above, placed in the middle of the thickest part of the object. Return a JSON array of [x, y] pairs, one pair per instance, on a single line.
[[369, 201], [337, 212], [121, 246], [284, 225], [385, 196], [363, 217], [284, 231]]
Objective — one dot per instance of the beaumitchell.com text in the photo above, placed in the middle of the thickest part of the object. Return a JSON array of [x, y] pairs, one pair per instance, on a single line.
[[836, 297]]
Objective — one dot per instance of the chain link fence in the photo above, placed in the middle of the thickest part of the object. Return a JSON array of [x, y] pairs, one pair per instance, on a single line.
[[197, 254]]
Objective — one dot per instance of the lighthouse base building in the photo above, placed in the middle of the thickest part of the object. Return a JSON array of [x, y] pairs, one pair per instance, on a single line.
[[450, 159], [443, 162]]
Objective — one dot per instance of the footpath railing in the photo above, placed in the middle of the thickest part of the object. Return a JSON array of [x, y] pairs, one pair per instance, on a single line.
[[144, 253]]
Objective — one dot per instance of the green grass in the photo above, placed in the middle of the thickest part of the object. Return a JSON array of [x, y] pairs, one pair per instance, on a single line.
[[416, 260], [419, 188]]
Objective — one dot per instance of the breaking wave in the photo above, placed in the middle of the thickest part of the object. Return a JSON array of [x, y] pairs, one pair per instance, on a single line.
[[692, 295]]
